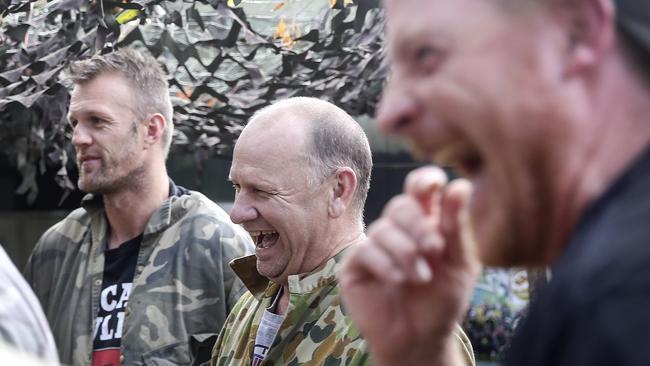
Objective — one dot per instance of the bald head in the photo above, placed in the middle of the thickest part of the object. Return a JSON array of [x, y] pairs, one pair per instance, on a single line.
[[331, 139]]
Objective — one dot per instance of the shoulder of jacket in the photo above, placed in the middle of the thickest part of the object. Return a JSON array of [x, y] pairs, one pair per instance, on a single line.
[[66, 236], [200, 206], [72, 226], [197, 204]]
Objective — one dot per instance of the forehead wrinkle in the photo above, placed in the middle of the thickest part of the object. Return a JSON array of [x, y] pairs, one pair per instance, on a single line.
[[248, 170], [279, 130], [260, 158], [263, 145], [265, 176], [88, 107], [432, 21], [103, 91]]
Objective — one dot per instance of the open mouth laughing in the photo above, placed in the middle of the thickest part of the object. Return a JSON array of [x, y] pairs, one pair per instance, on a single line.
[[264, 239], [465, 160]]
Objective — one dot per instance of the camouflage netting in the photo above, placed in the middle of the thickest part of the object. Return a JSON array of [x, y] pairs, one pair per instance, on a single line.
[[225, 59]]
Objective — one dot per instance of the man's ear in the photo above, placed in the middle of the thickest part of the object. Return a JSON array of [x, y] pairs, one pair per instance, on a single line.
[[592, 31], [343, 187], [154, 128]]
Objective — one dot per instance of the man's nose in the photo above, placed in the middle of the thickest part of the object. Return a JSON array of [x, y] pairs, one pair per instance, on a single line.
[[242, 211], [80, 137], [397, 110]]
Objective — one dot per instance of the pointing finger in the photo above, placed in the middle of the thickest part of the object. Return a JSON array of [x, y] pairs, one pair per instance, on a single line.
[[426, 184]]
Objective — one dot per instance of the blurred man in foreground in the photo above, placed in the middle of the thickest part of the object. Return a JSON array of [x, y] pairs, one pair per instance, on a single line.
[[543, 105], [301, 169]]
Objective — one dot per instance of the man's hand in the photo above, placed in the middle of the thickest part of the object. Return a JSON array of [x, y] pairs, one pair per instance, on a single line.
[[409, 283]]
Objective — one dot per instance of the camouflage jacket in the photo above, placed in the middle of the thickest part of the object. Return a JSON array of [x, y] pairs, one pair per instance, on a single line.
[[316, 329], [182, 289]]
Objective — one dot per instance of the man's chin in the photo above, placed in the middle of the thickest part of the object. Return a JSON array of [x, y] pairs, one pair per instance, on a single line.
[[498, 251], [496, 257], [509, 253], [85, 187], [91, 187], [270, 273]]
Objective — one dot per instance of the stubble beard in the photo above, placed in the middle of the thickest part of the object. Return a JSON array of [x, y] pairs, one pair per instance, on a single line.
[[270, 270], [104, 180]]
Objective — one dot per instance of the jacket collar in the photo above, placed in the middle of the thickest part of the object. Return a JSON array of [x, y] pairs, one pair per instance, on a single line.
[[168, 213], [259, 286]]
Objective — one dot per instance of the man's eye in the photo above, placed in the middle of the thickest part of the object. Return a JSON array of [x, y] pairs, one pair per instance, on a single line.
[[263, 193], [236, 187], [96, 120], [427, 59]]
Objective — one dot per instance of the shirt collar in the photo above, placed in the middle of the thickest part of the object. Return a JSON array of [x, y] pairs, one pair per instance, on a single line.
[[259, 286], [164, 216]]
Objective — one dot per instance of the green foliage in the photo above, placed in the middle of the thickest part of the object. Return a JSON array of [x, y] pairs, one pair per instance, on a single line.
[[223, 65]]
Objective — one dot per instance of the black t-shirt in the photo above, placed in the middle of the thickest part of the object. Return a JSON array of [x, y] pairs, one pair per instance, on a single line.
[[595, 309], [119, 269]]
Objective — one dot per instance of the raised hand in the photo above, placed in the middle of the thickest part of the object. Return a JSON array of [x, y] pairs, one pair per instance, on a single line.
[[409, 283]]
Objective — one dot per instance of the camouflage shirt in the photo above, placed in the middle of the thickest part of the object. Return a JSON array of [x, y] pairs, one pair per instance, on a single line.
[[182, 289], [315, 331]]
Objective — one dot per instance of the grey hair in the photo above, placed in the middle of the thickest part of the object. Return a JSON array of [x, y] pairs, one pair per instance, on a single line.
[[335, 140], [145, 76]]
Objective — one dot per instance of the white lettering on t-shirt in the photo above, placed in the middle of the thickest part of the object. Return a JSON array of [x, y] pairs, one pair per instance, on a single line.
[[103, 300], [126, 290], [98, 322], [108, 302], [106, 333], [120, 324]]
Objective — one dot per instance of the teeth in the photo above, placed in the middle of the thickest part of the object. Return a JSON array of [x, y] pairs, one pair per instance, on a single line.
[[260, 236], [450, 155], [258, 233], [455, 155]]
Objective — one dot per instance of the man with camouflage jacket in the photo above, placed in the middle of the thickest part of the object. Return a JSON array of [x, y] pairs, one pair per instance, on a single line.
[[137, 275], [301, 169]]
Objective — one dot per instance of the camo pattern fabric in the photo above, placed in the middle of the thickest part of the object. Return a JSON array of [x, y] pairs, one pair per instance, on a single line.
[[183, 287], [316, 329]]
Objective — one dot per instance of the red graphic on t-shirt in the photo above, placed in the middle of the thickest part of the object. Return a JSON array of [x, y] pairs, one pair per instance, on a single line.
[[109, 323], [107, 357]]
